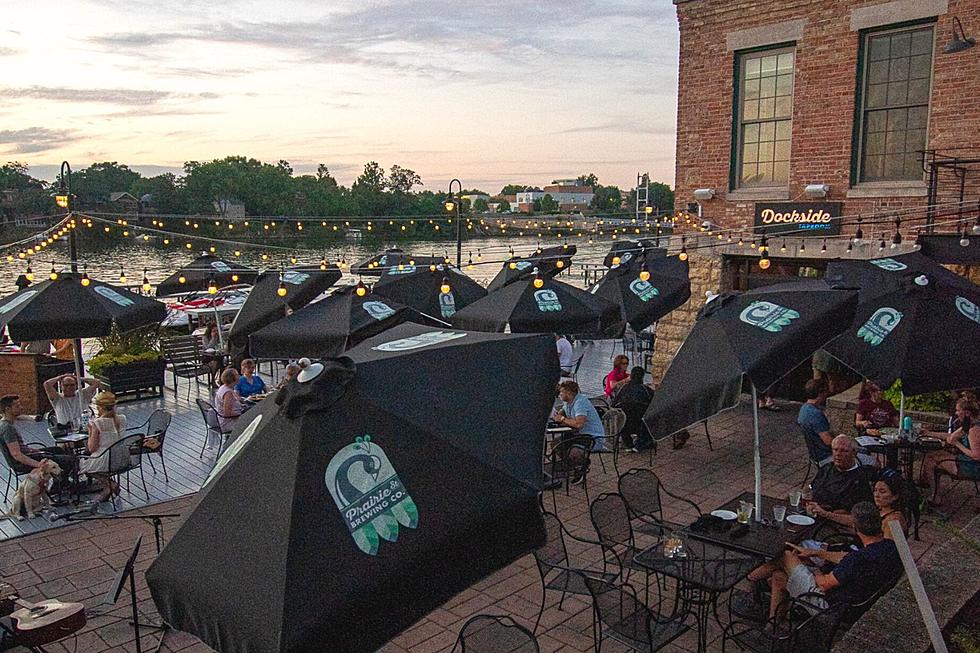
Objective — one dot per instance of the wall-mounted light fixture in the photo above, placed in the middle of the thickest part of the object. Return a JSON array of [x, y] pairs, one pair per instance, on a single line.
[[816, 190], [960, 40], [704, 194]]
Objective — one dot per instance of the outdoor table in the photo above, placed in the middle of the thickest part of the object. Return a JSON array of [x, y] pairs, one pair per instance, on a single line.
[[764, 539], [900, 452], [702, 572], [73, 441]]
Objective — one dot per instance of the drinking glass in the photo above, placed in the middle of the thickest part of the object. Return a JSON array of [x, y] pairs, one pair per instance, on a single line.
[[794, 498], [744, 512], [779, 513]]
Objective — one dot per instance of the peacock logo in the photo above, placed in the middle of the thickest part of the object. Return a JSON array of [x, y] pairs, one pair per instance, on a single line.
[[644, 290], [447, 304], [547, 300], [965, 306], [889, 264], [378, 310], [879, 325], [768, 316], [369, 495]]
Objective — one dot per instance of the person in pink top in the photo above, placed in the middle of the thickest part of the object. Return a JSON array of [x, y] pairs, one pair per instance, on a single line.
[[227, 403], [618, 377]]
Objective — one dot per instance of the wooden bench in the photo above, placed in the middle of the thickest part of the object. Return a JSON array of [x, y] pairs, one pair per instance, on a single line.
[[183, 357]]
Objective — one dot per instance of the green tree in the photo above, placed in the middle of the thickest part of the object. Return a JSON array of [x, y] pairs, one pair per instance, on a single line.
[[480, 205], [166, 193], [503, 206], [548, 204], [368, 190], [606, 198], [660, 196], [588, 180], [513, 189], [97, 182], [29, 196]]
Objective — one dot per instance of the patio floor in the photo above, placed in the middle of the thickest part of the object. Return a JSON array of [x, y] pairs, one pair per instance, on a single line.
[[78, 561]]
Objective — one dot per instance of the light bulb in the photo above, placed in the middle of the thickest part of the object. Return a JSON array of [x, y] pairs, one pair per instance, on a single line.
[[238, 252], [323, 263], [764, 263], [54, 274], [181, 279], [212, 288], [29, 274], [445, 288], [146, 285], [292, 260], [281, 291], [683, 255], [644, 274], [560, 263], [616, 260], [432, 267], [234, 278], [85, 280], [122, 277], [964, 241], [361, 289]]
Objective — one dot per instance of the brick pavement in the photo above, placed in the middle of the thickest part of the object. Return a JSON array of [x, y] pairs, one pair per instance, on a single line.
[[78, 562]]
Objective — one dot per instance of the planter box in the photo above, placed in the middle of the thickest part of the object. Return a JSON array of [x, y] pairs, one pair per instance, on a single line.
[[134, 380]]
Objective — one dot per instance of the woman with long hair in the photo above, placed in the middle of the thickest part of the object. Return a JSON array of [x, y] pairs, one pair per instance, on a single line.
[[104, 431]]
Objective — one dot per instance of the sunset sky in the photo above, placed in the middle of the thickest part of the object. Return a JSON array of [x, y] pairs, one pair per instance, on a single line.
[[490, 92]]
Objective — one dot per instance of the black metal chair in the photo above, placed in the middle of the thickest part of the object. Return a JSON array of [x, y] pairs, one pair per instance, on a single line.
[[814, 462], [212, 425], [577, 363], [553, 560], [620, 615], [12, 465], [492, 633], [611, 521], [613, 421], [123, 456], [155, 427], [568, 462], [641, 489]]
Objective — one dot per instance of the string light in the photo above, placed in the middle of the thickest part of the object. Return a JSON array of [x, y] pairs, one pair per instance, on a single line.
[[54, 273], [881, 245], [182, 278], [683, 255], [538, 281], [29, 274], [85, 280], [361, 289], [212, 287], [859, 234], [234, 277], [323, 263], [802, 246], [281, 290], [122, 275], [445, 288], [764, 261], [823, 246], [146, 282], [616, 260], [644, 272]]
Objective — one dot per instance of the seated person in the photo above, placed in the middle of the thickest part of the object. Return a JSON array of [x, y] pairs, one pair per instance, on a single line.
[[21, 458], [227, 403], [618, 377], [292, 370], [71, 402], [64, 349], [845, 482], [103, 432], [813, 421], [856, 576], [889, 498], [579, 413], [249, 383], [965, 440], [634, 398], [212, 350], [874, 411]]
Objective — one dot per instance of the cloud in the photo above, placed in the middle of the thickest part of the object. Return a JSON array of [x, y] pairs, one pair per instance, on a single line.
[[623, 127], [106, 95], [34, 139], [7, 52]]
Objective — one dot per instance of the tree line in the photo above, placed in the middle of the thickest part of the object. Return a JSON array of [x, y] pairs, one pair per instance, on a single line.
[[274, 189]]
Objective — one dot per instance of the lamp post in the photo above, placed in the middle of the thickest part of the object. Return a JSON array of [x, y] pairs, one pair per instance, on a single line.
[[452, 202], [64, 199]]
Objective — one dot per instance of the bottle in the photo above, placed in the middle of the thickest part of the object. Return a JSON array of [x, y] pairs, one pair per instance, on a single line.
[[907, 424]]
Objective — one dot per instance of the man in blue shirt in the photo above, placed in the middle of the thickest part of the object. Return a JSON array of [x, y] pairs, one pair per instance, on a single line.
[[813, 421], [578, 413]]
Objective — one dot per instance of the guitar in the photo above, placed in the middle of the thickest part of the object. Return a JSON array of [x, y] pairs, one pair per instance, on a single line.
[[37, 624]]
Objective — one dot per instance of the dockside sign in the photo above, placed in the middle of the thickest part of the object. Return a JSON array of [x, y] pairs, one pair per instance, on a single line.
[[798, 218]]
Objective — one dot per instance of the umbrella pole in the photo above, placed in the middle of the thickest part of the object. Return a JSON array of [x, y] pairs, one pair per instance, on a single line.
[[757, 456], [901, 409], [79, 363]]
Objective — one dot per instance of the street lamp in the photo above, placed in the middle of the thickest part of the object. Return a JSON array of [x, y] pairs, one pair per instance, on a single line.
[[452, 203]]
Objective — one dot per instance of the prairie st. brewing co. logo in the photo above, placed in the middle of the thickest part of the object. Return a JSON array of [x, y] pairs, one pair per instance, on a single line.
[[879, 325], [523, 265], [644, 290], [968, 309], [889, 264], [447, 304], [547, 300], [220, 266], [113, 296], [295, 278], [402, 269], [369, 494], [419, 341], [624, 258], [378, 310], [768, 316]]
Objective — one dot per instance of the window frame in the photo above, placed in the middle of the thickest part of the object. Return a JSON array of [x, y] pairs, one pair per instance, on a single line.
[[735, 160], [857, 132]]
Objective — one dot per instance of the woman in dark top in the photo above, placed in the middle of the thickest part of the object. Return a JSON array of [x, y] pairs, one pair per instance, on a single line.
[[874, 411], [633, 398], [965, 441]]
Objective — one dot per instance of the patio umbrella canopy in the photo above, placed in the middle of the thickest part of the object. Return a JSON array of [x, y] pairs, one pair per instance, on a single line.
[[329, 327], [199, 272], [916, 321], [349, 506], [64, 308], [627, 249], [761, 334], [264, 305], [644, 302], [555, 307], [550, 262], [421, 288], [377, 264]]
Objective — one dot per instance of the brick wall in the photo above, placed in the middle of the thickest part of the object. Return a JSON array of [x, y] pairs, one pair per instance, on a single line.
[[823, 104]]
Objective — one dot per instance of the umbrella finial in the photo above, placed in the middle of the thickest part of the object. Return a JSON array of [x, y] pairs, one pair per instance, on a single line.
[[308, 370]]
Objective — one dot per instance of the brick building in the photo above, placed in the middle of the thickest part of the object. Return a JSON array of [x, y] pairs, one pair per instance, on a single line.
[[793, 108]]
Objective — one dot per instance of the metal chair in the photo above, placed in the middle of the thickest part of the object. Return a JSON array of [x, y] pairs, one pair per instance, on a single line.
[[123, 457], [553, 560], [569, 462], [492, 633], [575, 365], [156, 427], [212, 425], [620, 615], [611, 521], [12, 474], [613, 421], [641, 490]]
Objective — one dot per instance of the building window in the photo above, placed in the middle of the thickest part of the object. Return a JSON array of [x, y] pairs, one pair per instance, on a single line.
[[764, 118], [897, 77]]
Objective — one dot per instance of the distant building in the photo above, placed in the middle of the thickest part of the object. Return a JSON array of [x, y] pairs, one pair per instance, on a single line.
[[570, 197], [123, 202], [473, 197], [230, 209], [524, 202]]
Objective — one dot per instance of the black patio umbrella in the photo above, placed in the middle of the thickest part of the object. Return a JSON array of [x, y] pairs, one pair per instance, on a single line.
[[264, 304], [549, 261], [377, 264], [916, 321], [422, 288], [644, 301], [65, 308], [347, 507], [199, 272], [761, 334], [330, 326], [627, 249], [552, 307]]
